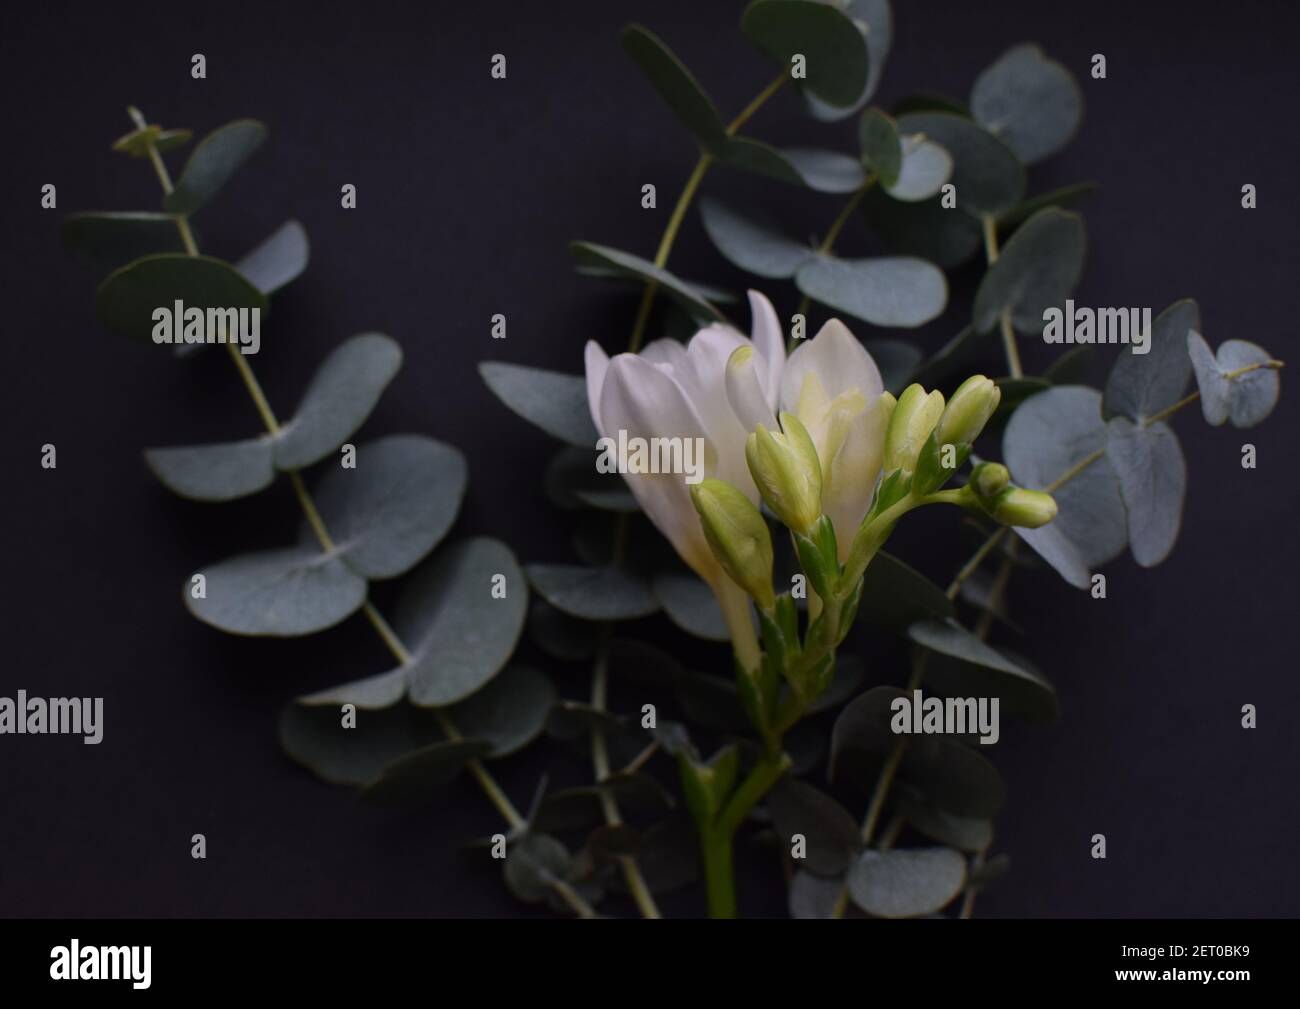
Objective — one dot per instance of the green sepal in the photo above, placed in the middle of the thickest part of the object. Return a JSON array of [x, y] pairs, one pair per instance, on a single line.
[[849, 611], [787, 618], [821, 575], [707, 786], [893, 488], [820, 676], [931, 474]]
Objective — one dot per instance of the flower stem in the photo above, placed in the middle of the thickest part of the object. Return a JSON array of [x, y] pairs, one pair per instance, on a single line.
[[486, 781], [719, 877]]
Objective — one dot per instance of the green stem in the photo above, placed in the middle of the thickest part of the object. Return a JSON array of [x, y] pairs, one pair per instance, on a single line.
[[718, 838], [719, 878], [1004, 319]]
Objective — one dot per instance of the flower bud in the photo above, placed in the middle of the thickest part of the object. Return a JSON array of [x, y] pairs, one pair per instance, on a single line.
[[989, 479], [785, 468], [910, 425], [737, 535], [1016, 506], [969, 410]]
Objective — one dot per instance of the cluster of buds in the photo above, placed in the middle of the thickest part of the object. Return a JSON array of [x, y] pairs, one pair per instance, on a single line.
[[925, 441]]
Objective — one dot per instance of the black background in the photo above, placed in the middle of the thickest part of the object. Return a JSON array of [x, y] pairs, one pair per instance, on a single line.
[[468, 189]]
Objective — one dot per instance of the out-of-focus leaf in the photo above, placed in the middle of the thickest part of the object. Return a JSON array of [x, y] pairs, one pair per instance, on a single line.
[[966, 833], [560, 635], [624, 264], [826, 171], [219, 472], [988, 176], [508, 713], [601, 593], [875, 20], [1152, 482], [279, 260], [830, 831], [415, 776], [882, 148], [1066, 197], [905, 883], [753, 244], [317, 737], [925, 168], [945, 237], [759, 158], [896, 360], [1029, 101], [1037, 270], [893, 291], [555, 402], [895, 595], [1247, 397], [573, 481], [112, 239], [534, 864], [676, 85], [690, 604], [217, 157], [834, 48], [1141, 385]]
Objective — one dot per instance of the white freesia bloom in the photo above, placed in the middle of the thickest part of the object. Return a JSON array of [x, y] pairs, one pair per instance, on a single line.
[[671, 390]]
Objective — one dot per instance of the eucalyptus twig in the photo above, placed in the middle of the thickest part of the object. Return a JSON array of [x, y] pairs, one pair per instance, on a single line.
[[1004, 317], [495, 794]]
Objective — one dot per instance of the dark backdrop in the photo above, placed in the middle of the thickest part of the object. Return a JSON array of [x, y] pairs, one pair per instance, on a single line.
[[468, 189]]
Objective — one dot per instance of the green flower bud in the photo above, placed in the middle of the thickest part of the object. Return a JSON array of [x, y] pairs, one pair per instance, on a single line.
[[1016, 506], [969, 410], [786, 470], [989, 479], [913, 419], [737, 535]]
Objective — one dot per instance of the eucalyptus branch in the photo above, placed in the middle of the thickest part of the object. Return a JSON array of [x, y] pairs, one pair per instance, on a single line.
[[833, 232]]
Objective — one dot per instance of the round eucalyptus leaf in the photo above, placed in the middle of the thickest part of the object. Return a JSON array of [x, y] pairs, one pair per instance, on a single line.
[[826, 171], [668, 856], [925, 168], [126, 300], [875, 20], [691, 605], [341, 752], [758, 158], [413, 777], [988, 175], [945, 237], [278, 593], [216, 158], [896, 360], [451, 616], [1141, 385], [381, 690], [111, 239], [559, 635], [864, 724], [1036, 270], [892, 291], [1152, 482], [973, 834], [979, 670], [834, 49], [753, 244], [813, 896], [555, 402], [1029, 101], [279, 260], [1065, 197], [600, 593], [220, 472], [574, 481], [1247, 397], [895, 594], [906, 883], [1046, 438], [881, 146], [509, 713], [623, 264], [829, 830], [1055, 547], [675, 84], [395, 506], [341, 396], [534, 864]]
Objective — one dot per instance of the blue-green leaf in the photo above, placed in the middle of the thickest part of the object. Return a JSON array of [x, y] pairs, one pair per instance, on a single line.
[[1036, 270], [601, 593], [892, 291], [988, 176], [753, 244], [1141, 385], [219, 472], [906, 882], [833, 46], [279, 260], [555, 402], [1030, 102], [217, 157], [1152, 481], [675, 85]]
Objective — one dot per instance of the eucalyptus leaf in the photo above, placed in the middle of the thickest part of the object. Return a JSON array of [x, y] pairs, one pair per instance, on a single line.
[[668, 856], [317, 737], [829, 830], [1152, 482], [988, 176], [560, 635], [758, 158], [826, 171], [534, 864], [126, 300], [675, 85], [881, 146], [979, 670], [509, 713], [1036, 270], [277, 593], [925, 168], [1049, 436], [906, 883], [690, 604], [1029, 101], [217, 157], [1247, 397], [460, 633], [625, 264], [752, 243], [573, 481], [894, 291], [601, 593], [895, 594], [813, 896], [111, 239], [279, 260], [1064, 197], [555, 402], [896, 360], [219, 472], [945, 237], [398, 503], [834, 48], [1141, 385], [343, 392], [875, 20], [973, 834], [414, 776]]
